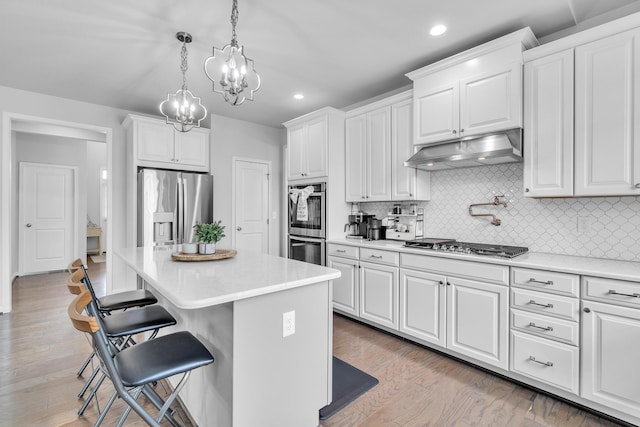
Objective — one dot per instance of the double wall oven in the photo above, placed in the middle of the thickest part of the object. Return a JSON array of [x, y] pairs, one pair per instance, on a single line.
[[307, 224]]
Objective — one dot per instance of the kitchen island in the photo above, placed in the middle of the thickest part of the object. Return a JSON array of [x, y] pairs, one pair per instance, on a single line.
[[237, 308]]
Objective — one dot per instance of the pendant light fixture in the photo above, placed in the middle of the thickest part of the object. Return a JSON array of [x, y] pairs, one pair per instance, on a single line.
[[183, 110], [231, 72]]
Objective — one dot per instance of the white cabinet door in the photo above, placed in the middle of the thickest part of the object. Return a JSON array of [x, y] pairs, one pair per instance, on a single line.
[[548, 120], [423, 306], [345, 288], [379, 294], [355, 142], [607, 139], [192, 148], [155, 142], [478, 320], [403, 179], [610, 355], [295, 152], [491, 101], [317, 148], [436, 112], [378, 155]]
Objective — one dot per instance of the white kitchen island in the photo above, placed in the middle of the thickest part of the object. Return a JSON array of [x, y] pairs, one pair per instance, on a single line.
[[235, 307]]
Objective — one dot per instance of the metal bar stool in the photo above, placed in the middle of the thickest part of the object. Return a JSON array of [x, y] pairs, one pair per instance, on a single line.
[[134, 369]]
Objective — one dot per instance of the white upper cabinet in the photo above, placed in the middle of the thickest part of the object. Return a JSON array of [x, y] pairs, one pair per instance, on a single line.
[[378, 139], [548, 121], [474, 92], [308, 146], [157, 144], [608, 116], [582, 114]]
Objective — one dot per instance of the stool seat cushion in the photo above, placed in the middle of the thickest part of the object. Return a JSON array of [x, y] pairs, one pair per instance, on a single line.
[[161, 358], [138, 320], [126, 299]]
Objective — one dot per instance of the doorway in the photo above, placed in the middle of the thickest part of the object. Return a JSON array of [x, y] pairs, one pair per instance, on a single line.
[[12, 124], [250, 205]]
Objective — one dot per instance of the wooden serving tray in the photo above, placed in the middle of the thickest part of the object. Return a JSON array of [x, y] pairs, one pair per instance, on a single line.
[[220, 254]]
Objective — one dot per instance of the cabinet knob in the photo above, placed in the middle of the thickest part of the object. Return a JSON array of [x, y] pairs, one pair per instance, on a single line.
[[239, 228], [28, 225], [448, 284], [441, 282], [526, 190], [638, 185], [587, 310], [454, 131], [461, 130]]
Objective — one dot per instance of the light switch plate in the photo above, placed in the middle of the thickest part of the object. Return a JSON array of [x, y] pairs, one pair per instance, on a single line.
[[288, 323]]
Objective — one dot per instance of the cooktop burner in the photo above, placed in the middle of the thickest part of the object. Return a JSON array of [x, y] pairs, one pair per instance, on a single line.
[[451, 245]]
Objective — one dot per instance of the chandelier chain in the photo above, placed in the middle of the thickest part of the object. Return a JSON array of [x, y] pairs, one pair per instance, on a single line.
[[234, 21], [184, 66]]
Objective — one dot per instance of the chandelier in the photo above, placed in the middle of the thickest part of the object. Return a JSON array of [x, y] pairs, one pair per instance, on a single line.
[[231, 72], [183, 110]]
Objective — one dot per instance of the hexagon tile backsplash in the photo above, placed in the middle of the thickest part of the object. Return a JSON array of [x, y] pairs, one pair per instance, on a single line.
[[603, 227]]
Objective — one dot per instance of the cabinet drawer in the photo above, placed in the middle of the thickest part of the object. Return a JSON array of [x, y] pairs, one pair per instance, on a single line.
[[548, 281], [612, 291], [466, 269], [545, 326], [546, 361], [552, 305], [380, 257], [344, 251]]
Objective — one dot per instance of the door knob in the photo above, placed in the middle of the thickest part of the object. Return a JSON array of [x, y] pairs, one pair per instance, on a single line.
[[239, 228], [28, 224]]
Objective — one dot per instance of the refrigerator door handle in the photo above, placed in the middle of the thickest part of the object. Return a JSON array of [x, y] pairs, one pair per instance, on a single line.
[[180, 207]]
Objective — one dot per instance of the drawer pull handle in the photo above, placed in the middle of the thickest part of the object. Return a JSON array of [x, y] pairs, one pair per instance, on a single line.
[[376, 256], [532, 302], [548, 282], [533, 359], [533, 325], [341, 251], [613, 292]]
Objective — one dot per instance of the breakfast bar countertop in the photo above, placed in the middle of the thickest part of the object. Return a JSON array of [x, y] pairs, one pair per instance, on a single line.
[[191, 285]]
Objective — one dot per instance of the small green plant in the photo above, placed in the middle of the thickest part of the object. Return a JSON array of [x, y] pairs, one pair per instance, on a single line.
[[209, 233]]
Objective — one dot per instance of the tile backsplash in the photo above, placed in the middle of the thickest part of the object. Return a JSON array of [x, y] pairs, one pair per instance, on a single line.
[[603, 227]]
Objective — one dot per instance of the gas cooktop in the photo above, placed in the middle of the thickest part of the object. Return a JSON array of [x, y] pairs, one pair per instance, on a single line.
[[453, 246]]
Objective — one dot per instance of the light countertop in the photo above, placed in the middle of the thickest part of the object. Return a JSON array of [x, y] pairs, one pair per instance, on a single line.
[[191, 285], [599, 267]]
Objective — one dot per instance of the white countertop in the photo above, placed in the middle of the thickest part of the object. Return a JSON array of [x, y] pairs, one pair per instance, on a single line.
[[191, 285], [599, 267]]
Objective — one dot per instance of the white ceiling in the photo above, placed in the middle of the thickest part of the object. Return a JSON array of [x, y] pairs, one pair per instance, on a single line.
[[124, 54]]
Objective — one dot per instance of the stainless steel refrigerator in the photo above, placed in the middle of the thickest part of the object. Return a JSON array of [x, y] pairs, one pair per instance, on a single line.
[[170, 203]]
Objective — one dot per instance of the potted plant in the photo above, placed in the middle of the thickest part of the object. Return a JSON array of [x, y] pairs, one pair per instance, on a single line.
[[208, 235]]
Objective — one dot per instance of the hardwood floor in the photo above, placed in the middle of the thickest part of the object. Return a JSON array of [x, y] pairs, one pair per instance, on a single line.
[[41, 352], [419, 387]]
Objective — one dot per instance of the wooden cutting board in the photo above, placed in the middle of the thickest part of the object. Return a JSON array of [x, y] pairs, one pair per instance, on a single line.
[[220, 254]]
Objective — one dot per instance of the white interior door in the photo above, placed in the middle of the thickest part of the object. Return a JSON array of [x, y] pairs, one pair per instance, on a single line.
[[48, 211], [251, 205]]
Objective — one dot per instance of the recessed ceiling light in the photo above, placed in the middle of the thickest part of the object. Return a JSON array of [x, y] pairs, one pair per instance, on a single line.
[[298, 96], [438, 30], [481, 158]]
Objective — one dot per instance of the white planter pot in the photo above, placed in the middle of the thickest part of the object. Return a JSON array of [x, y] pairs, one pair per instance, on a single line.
[[206, 248]]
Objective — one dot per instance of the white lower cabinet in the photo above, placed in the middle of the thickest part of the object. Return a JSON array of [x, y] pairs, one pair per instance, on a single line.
[[345, 288], [611, 355], [478, 320], [379, 294], [423, 298]]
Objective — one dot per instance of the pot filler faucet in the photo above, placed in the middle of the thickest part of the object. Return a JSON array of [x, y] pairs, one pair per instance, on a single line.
[[496, 202]]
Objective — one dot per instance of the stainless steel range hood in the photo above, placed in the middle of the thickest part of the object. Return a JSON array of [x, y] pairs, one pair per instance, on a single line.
[[479, 150]]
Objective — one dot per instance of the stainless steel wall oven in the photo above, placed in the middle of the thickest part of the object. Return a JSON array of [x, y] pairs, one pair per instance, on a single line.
[[307, 222]]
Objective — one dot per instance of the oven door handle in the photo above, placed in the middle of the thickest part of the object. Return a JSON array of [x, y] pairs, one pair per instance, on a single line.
[[305, 239]]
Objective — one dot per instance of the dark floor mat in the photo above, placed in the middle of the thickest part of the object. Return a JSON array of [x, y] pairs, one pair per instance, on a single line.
[[348, 384]]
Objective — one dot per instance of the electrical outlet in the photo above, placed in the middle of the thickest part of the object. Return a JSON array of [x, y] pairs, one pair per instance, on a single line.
[[288, 323], [584, 224]]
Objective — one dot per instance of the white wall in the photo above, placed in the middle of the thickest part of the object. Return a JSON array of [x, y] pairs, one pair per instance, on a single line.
[[53, 150], [238, 138], [96, 159]]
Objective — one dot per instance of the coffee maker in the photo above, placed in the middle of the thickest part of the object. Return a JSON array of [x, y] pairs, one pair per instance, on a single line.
[[357, 227]]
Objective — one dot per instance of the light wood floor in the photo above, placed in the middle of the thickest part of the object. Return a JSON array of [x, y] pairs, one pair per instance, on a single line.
[[40, 353], [419, 387]]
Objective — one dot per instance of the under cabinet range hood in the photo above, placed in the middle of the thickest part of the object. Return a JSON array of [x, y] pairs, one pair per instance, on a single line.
[[479, 150]]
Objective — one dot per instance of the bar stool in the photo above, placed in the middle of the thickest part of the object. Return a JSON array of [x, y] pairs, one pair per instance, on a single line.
[[134, 369], [120, 327]]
